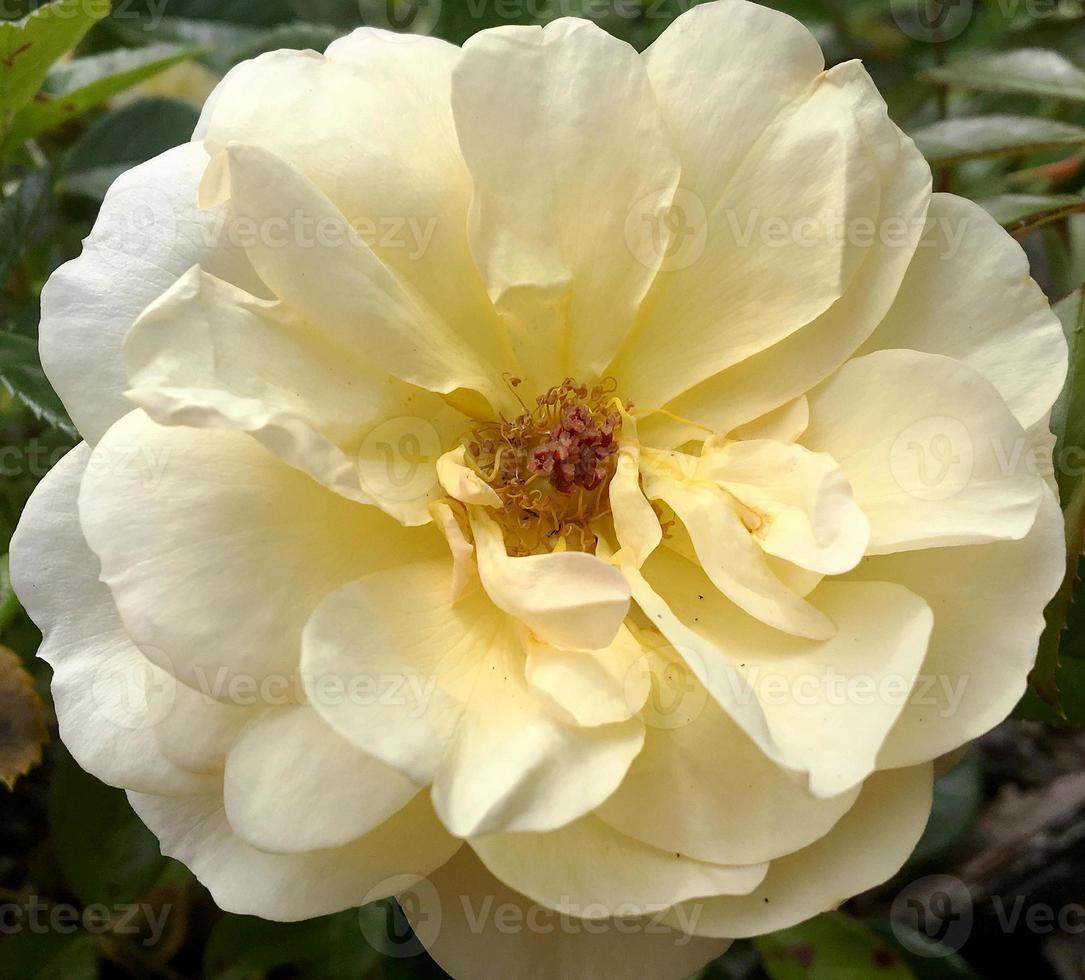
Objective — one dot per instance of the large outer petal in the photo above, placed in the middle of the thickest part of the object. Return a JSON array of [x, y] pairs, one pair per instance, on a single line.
[[288, 887], [571, 106], [148, 233], [463, 717], [592, 871], [109, 698], [371, 124], [217, 552], [934, 456], [476, 928], [865, 848], [968, 295], [789, 368], [988, 603]]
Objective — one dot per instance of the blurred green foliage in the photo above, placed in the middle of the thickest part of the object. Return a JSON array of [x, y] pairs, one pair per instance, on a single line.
[[995, 98]]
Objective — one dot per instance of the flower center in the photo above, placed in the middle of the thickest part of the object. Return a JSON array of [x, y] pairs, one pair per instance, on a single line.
[[551, 466]]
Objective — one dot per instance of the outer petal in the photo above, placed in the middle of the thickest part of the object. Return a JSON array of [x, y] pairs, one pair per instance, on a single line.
[[148, 233], [988, 603], [572, 600], [933, 454], [108, 697], [589, 870], [207, 354], [865, 848], [968, 294], [478, 929], [293, 785], [777, 253], [463, 716], [216, 552], [788, 369], [568, 256], [704, 789], [371, 125], [829, 705], [288, 887]]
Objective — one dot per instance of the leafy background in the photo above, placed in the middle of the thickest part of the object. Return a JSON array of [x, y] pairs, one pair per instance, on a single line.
[[996, 100]]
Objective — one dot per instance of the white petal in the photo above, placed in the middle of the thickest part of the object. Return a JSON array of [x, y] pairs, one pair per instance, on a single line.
[[591, 871], [108, 697], [216, 552], [148, 233], [572, 600], [476, 928], [933, 454], [808, 512], [568, 256], [866, 847], [988, 603], [293, 785], [703, 788], [289, 887], [590, 687], [968, 294], [462, 715], [463, 483]]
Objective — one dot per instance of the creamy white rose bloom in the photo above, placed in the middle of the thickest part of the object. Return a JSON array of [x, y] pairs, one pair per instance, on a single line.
[[595, 484]]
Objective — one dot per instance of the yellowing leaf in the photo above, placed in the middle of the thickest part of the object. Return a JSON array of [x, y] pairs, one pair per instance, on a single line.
[[23, 730]]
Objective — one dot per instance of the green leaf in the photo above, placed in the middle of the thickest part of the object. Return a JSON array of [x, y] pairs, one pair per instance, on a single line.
[[9, 602], [122, 139], [831, 947], [1059, 684], [107, 855], [30, 46], [19, 215], [958, 796], [1021, 214], [74, 87], [49, 955], [331, 947], [952, 141], [22, 377], [1026, 71]]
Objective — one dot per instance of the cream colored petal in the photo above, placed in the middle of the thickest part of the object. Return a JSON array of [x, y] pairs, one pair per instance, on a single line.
[[829, 705], [777, 252], [216, 552], [808, 514], [463, 483], [371, 125], [148, 233], [968, 294], [464, 569], [107, 696], [567, 256], [868, 845], [572, 600], [590, 687], [193, 730], [988, 603], [791, 367], [476, 928], [293, 785], [289, 887], [727, 550], [934, 456], [461, 714], [703, 789], [784, 424], [589, 870], [313, 259], [207, 354], [636, 524]]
